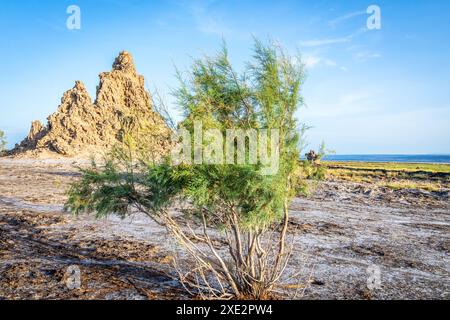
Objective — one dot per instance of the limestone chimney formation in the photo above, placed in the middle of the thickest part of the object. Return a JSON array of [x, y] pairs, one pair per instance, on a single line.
[[80, 126]]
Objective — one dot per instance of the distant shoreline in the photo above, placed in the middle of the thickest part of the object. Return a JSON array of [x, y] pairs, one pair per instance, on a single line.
[[431, 159]]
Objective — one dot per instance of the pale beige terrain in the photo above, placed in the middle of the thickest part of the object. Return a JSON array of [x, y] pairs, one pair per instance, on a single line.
[[340, 230]]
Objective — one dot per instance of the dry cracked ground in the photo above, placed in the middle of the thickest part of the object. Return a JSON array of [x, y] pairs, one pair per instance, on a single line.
[[339, 231]]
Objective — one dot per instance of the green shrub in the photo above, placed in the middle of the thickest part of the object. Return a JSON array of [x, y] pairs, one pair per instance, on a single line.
[[239, 201]]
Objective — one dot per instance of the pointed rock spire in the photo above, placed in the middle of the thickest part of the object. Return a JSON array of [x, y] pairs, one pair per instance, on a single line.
[[78, 96], [80, 126], [37, 131], [124, 62]]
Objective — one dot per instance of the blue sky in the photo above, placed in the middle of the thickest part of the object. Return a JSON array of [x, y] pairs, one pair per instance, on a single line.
[[367, 91]]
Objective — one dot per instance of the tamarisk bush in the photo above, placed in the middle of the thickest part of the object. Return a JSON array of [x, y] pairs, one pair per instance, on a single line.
[[235, 230]]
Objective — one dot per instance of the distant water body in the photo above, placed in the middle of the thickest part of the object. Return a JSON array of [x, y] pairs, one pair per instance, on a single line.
[[425, 158]]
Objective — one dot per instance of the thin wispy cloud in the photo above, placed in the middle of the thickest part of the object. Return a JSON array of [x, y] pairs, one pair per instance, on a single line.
[[332, 41], [364, 56], [52, 24], [354, 97], [333, 23], [210, 25], [361, 53], [323, 42], [313, 61], [206, 21], [347, 104]]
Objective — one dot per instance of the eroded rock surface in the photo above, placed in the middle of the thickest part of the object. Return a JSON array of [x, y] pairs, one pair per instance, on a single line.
[[80, 126]]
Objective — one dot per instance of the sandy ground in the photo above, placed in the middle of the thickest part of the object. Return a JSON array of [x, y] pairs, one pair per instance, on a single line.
[[340, 231]]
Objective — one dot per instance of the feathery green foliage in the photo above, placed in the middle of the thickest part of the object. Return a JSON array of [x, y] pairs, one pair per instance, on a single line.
[[265, 96], [234, 198]]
